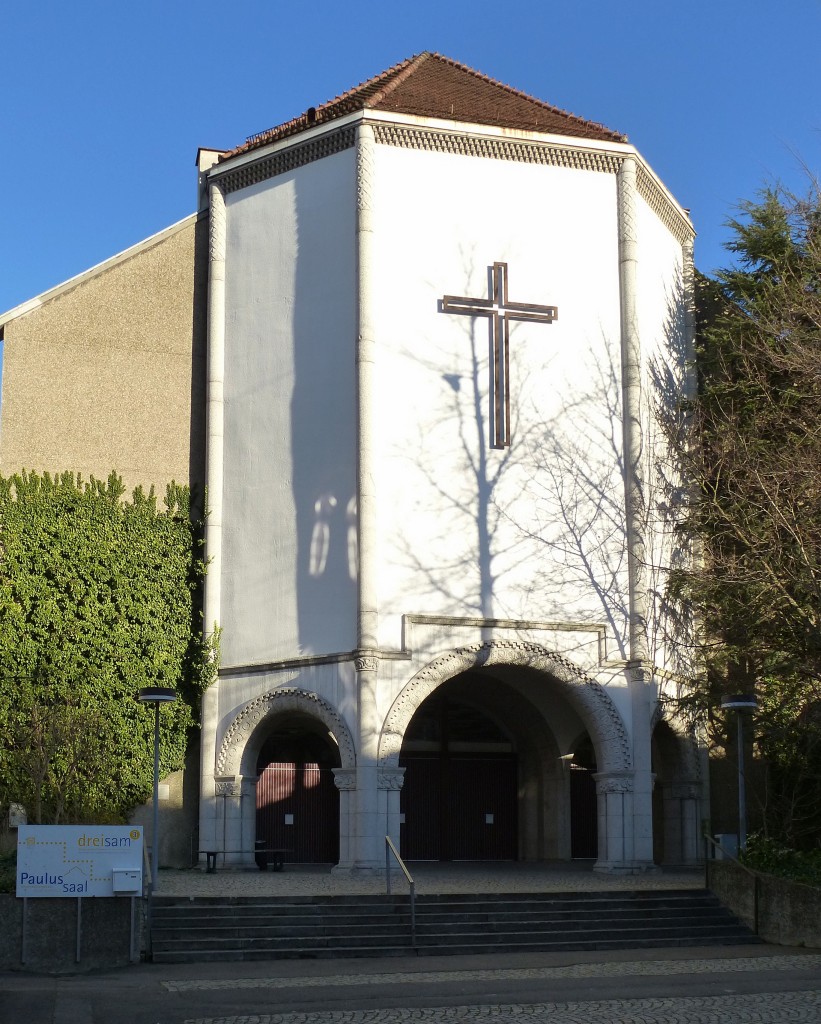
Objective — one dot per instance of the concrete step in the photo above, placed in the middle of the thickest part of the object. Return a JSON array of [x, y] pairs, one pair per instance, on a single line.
[[244, 929]]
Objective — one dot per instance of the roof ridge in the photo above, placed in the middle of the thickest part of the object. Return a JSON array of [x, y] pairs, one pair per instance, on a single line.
[[515, 92], [395, 88], [411, 64], [396, 72]]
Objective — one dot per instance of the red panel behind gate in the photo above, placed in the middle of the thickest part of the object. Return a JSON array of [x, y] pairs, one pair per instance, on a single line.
[[298, 810]]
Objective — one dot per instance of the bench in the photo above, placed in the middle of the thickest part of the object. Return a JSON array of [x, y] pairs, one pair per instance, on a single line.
[[268, 855], [210, 860]]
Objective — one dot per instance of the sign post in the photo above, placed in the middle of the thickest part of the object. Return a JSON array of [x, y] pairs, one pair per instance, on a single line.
[[55, 861]]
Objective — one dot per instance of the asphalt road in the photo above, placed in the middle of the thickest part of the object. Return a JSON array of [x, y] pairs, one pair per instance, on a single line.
[[724, 985]]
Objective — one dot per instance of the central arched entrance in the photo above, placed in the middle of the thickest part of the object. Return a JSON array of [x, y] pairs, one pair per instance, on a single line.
[[459, 798], [519, 719]]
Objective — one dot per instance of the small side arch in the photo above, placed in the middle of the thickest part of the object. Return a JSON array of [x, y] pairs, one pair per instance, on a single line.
[[276, 702]]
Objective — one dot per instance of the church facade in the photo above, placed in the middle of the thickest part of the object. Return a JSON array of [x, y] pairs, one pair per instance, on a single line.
[[442, 317]]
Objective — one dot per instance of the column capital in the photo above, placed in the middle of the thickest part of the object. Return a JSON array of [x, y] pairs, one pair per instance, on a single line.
[[390, 778], [344, 778], [366, 662], [225, 785], [614, 782]]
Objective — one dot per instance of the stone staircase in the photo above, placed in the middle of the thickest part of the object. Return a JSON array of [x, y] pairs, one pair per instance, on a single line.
[[189, 929]]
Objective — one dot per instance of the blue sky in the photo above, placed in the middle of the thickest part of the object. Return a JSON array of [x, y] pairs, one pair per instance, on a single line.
[[103, 104]]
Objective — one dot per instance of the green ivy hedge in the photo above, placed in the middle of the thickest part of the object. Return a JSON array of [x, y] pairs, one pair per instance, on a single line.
[[100, 595]]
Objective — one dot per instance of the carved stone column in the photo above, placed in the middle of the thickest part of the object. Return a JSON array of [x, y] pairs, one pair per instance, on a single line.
[[369, 827], [390, 781], [248, 819], [345, 781], [614, 797], [224, 790], [682, 823]]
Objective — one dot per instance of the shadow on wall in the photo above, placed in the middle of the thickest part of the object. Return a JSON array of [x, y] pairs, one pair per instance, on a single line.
[[323, 409], [543, 517]]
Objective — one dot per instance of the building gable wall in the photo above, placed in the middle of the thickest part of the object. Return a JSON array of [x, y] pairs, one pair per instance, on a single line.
[[110, 374]]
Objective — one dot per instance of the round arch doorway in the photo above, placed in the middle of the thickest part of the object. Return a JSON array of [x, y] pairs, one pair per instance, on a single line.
[[460, 793], [297, 802]]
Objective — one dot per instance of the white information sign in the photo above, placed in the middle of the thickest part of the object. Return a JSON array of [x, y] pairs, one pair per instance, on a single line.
[[79, 860]]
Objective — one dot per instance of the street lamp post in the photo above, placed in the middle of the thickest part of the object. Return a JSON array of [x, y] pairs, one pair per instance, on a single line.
[[156, 695], [741, 703]]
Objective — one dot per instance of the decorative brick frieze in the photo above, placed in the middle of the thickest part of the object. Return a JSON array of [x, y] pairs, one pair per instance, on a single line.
[[408, 137], [661, 206], [460, 144], [288, 159]]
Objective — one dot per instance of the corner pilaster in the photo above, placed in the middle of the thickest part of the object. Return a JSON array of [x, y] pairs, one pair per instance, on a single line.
[[209, 826], [367, 836]]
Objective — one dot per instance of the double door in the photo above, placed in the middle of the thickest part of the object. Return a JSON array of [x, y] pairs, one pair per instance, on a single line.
[[459, 807]]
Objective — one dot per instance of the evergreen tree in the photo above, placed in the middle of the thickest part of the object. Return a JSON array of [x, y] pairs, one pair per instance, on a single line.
[[752, 450]]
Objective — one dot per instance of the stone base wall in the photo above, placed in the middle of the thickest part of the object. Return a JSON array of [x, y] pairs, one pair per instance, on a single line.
[[786, 913], [51, 934]]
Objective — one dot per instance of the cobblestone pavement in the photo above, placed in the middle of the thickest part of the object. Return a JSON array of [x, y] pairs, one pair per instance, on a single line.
[[725, 1006], [771, 1008], [429, 878], [630, 969], [764, 985]]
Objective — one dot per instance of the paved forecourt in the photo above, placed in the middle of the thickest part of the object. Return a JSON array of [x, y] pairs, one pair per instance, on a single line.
[[429, 878]]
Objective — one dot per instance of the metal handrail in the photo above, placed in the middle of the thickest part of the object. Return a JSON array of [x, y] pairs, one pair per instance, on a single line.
[[391, 849], [729, 856]]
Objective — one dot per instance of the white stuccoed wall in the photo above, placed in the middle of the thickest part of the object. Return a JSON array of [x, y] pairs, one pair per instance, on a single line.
[[288, 579], [288, 586], [443, 220]]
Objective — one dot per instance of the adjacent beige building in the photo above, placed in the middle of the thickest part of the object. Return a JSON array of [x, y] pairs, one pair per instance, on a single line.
[[107, 370]]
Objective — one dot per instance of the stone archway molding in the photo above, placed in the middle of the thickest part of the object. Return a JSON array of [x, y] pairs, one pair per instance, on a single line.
[[591, 700], [276, 702]]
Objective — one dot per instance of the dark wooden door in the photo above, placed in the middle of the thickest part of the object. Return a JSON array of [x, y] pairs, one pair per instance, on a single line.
[[584, 818], [298, 810], [459, 808]]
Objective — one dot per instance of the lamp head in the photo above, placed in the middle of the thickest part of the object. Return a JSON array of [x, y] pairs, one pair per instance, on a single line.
[[156, 695], [739, 702]]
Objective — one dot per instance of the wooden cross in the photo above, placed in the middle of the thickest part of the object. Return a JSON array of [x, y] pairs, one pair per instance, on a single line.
[[500, 311]]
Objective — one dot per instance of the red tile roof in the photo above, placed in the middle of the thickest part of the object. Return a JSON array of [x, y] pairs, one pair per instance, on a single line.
[[430, 85]]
